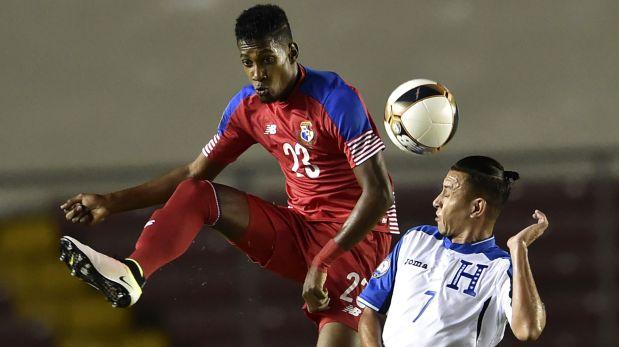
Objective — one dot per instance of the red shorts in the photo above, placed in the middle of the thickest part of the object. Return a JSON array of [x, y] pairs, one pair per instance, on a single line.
[[283, 241]]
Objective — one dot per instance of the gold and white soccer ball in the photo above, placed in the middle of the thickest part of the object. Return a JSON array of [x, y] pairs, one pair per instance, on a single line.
[[421, 116]]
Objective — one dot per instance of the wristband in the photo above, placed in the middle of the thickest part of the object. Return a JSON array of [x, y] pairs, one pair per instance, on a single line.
[[327, 255]]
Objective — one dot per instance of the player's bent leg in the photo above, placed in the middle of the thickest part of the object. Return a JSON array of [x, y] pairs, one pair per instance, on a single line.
[[166, 236], [337, 335], [171, 229], [259, 228]]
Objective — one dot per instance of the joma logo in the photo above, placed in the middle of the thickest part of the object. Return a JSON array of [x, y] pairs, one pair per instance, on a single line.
[[416, 263]]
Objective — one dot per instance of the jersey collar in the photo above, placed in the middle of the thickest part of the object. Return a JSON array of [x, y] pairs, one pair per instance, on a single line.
[[468, 248]]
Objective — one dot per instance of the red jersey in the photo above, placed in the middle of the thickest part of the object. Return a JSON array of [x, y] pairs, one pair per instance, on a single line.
[[318, 134]]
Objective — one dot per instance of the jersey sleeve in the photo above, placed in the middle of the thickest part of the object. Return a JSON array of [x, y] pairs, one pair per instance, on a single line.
[[377, 294], [505, 294], [352, 125], [231, 139]]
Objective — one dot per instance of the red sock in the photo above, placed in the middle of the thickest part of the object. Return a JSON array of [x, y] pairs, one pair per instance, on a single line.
[[171, 229]]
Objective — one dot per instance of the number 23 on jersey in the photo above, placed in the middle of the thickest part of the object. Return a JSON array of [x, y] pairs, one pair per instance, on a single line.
[[301, 161]]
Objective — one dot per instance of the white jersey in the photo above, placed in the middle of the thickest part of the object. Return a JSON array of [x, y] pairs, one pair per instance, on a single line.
[[438, 293]]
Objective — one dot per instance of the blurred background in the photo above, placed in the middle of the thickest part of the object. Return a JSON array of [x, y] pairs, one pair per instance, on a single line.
[[101, 95]]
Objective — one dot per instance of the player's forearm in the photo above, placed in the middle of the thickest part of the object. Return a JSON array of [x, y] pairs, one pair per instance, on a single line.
[[371, 206], [153, 192], [528, 312], [370, 329]]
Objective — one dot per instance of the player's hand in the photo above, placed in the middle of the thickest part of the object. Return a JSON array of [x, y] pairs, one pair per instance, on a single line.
[[529, 234], [314, 293], [87, 209]]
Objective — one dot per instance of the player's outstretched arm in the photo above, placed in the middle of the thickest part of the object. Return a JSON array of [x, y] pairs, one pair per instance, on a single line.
[[91, 209], [528, 311], [373, 203], [371, 328], [376, 198]]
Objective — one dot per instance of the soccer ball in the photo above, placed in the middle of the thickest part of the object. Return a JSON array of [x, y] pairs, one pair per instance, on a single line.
[[421, 116]]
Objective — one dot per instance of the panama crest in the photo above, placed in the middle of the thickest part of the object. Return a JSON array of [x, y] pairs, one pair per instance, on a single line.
[[307, 135]]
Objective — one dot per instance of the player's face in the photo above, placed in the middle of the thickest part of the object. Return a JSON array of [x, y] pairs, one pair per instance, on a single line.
[[270, 66], [452, 204]]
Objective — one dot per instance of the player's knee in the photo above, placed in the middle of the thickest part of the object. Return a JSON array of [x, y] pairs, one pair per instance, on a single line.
[[193, 188]]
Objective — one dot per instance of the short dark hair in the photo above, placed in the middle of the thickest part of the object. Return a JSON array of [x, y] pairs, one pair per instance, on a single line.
[[487, 177], [263, 22]]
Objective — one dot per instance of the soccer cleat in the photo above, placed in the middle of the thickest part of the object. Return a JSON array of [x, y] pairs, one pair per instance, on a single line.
[[110, 276]]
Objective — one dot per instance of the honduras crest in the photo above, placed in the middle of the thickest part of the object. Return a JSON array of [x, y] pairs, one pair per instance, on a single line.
[[307, 133]]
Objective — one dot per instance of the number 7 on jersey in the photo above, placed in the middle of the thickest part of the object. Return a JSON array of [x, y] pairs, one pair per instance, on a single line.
[[431, 293]]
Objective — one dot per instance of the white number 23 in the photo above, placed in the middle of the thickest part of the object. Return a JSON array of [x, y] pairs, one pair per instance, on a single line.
[[312, 171]]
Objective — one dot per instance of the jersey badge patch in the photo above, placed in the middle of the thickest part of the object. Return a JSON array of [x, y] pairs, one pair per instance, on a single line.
[[307, 135], [382, 268]]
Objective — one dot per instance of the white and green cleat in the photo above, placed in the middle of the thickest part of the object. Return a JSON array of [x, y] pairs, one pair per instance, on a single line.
[[114, 278]]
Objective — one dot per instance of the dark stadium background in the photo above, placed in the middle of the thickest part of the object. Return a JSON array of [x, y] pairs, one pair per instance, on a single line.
[[104, 94]]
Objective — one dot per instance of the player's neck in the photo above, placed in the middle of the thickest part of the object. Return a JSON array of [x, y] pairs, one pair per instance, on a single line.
[[293, 82], [473, 233]]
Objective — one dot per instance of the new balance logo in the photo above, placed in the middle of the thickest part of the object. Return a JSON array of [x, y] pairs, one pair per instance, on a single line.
[[350, 309], [270, 129], [149, 223]]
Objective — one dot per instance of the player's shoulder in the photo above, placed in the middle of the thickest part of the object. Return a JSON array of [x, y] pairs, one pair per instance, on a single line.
[[429, 230], [339, 100], [322, 84], [496, 252], [498, 260], [421, 234], [242, 94], [486, 251], [418, 240], [235, 102], [329, 89], [491, 255]]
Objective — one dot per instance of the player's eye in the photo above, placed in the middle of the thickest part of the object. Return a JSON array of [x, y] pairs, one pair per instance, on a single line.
[[246, 62], [270, 60]]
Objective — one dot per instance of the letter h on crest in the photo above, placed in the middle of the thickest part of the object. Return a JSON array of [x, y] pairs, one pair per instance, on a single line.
[[473, 277]]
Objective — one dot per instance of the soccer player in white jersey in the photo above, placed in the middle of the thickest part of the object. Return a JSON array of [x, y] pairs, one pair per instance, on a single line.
[[450, 284]]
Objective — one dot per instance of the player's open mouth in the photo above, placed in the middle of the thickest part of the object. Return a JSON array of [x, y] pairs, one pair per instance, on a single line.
[[262, 90]]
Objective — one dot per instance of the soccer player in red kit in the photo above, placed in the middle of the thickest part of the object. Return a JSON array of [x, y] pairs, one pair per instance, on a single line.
[[340, 209]]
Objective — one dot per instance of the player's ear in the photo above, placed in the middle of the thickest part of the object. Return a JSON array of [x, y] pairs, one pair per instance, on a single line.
[[478, 207], [293, 53]]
